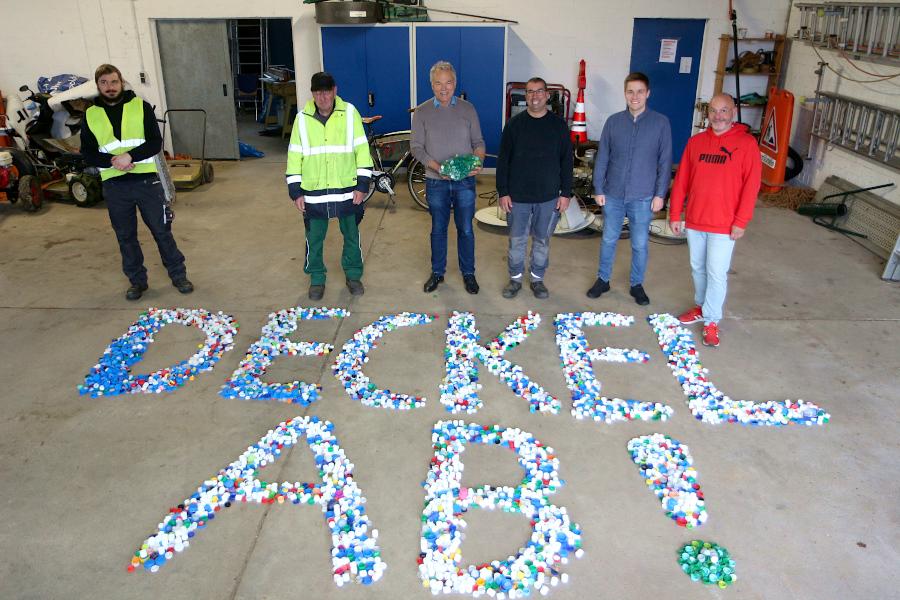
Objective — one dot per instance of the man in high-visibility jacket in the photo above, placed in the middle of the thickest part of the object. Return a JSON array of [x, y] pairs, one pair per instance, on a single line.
[[328, 171], [121, 138]]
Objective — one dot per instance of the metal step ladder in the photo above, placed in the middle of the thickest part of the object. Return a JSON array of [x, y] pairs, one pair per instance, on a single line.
[[867, 30], [864, 128], [248, 49]]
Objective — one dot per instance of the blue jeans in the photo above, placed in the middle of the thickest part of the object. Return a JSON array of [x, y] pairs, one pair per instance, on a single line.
[[710, 260], [538, 219], [444, 196], [639, 214]]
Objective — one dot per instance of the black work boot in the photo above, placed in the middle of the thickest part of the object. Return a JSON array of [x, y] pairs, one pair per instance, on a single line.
[[183, 285], [135, 291]]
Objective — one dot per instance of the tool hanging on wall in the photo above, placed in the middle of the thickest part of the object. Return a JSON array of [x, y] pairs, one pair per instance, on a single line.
[[732, 14]]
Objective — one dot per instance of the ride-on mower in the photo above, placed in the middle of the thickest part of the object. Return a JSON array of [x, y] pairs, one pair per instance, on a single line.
[[41, 164]]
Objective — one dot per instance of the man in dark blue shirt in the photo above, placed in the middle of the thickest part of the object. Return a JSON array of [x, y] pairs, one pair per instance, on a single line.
[[631, 178], [534, 181]]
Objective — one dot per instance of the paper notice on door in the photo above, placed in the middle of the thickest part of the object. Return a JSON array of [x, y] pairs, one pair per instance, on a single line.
[[667, 50], [685, 66]]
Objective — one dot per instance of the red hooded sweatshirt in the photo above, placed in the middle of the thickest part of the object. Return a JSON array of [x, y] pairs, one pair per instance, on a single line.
[[721, 173]]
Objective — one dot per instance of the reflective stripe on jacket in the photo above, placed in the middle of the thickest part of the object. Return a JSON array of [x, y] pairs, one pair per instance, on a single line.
[[132, 132]]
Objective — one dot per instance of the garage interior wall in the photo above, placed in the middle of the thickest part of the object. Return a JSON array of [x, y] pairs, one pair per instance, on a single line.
[[87, 33], [549, 40], [801, 80]]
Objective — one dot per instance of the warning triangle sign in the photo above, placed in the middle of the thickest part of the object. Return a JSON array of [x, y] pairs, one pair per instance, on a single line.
[[769, 138]]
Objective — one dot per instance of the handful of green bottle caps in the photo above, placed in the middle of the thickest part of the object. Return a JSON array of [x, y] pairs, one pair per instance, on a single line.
[[459, 167]]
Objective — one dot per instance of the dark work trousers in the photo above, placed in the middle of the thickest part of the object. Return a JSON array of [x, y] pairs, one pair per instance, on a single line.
[[124, 196]]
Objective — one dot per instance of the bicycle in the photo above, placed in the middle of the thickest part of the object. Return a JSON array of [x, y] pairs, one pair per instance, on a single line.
[[393, 147]]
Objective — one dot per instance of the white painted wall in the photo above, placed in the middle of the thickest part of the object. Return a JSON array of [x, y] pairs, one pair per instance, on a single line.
[[550, 38], [48, 37], [553, 35], [801, 81]]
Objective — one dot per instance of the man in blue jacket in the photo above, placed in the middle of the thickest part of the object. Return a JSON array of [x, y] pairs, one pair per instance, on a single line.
[[631, 178]]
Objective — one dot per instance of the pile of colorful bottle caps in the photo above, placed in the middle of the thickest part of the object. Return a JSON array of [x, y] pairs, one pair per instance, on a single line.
[[667, 467], [246, 381], [459, 388], [587, 400], [112, 374], [554, 538], [710, 405], [355, 552], [348, 366]]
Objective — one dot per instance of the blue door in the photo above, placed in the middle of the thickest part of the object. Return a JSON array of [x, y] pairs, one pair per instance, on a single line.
[[673, 92], [371, 66], [482, 82], [477, 54]]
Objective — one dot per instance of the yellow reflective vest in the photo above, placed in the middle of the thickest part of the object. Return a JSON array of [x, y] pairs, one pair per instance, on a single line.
[[132, 132]]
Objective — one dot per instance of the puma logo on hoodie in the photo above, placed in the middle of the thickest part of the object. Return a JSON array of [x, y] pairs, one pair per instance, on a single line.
[[716, 159]]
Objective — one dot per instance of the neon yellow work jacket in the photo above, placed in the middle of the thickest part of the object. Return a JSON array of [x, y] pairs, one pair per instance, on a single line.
[[328, 161]]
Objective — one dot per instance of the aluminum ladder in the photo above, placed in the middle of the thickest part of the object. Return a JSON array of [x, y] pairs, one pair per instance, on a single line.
[[867, 129], [867, 30]]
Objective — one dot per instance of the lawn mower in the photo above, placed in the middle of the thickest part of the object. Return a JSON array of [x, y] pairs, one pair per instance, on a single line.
[[41, 164]]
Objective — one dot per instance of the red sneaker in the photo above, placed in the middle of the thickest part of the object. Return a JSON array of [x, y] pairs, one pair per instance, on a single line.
[[691, 316], [711, 334]]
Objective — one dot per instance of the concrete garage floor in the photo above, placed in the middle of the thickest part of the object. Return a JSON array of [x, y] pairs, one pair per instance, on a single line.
[[806, 512]]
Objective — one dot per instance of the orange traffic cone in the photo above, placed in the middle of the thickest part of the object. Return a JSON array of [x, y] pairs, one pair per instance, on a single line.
[[579, 123]]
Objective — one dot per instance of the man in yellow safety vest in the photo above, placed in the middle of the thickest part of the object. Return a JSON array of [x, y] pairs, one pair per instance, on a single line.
[[121, 138]]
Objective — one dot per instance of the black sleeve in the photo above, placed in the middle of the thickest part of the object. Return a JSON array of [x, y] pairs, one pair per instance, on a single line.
[[294, 190], [504, 157], [90, 150], [152, 138], [565, 164]]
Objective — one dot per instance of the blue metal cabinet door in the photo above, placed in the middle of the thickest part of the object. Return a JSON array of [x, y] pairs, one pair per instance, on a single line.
[[481, 79], [344, 56], [434, 44], [387, 68], [672, 93]]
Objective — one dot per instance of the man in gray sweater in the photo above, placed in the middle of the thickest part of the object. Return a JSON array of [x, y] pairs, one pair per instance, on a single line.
[[631, 178], [443, 127]]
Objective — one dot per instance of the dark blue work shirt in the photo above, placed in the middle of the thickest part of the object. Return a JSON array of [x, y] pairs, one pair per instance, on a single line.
[[635, 156]]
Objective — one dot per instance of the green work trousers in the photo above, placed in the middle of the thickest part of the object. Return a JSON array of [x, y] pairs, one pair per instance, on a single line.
[[351, 257]]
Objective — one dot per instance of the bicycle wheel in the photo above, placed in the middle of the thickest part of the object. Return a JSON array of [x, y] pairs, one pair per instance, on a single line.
[[415, 178], [376, 167]]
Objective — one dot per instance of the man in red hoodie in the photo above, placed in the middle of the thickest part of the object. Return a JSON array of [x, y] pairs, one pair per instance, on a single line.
[[720, 174]]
